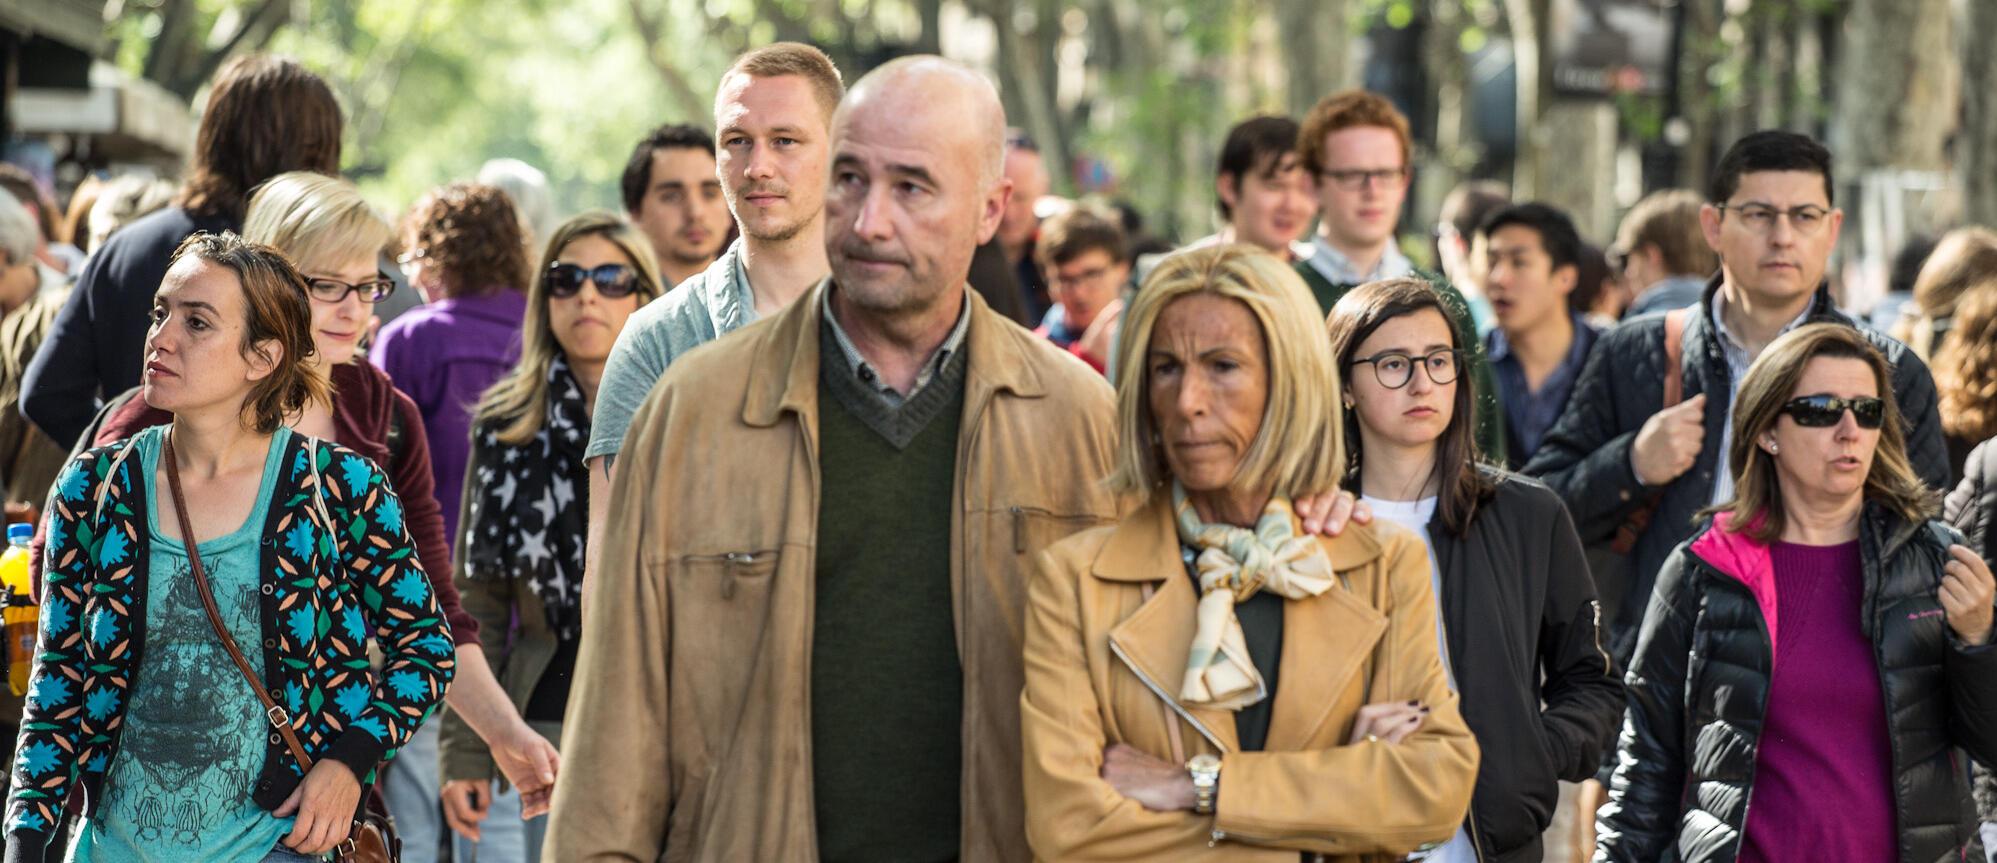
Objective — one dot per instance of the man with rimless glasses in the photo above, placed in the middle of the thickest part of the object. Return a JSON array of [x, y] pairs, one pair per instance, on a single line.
[[1625, 460]]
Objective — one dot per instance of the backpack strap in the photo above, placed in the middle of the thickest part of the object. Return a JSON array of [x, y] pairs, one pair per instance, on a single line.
[[1674, 354]]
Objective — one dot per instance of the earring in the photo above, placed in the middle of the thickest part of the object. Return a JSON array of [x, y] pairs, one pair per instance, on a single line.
[[1773, 448]]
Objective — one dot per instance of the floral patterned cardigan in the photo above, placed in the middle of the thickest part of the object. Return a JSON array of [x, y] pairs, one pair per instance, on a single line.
[[338, 567]]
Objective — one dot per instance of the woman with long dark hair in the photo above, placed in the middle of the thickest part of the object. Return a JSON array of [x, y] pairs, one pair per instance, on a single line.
[[520, 553], [1520, 626]]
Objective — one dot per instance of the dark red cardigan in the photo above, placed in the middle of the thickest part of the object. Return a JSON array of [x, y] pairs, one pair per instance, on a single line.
[[363, 396]]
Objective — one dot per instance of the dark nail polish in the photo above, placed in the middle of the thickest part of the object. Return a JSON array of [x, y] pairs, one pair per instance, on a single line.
[[1413, 703]]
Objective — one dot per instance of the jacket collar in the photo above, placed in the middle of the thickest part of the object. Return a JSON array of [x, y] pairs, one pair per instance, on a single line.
[[1741, 557], [1822, 308], [724, 289], [1326, 638], [783, 370]]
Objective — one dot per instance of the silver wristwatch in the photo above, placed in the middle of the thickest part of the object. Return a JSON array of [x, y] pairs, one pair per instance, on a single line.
[[1205, 770]]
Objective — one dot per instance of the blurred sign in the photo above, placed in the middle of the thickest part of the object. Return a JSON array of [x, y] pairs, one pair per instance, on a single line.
[[1604, 47]]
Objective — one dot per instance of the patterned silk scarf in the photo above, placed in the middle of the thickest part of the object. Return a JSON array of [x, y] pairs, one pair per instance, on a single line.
[[526, 516], [1233, 564]]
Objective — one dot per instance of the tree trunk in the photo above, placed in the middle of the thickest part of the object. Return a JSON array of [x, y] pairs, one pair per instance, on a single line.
[[1699, 50], [651, 32], [1448, 72], [931, 15], [1977, 160], [1317, 40], [1895, 99], [1530, 29]]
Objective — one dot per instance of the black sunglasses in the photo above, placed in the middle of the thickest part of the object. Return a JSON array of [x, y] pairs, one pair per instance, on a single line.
[[333, 290], [1821, 411], [613, 281]]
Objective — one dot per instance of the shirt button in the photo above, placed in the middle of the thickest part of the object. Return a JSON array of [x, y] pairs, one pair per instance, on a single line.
[[268, 590], [270, 644], [1624, 493], [273, 740]]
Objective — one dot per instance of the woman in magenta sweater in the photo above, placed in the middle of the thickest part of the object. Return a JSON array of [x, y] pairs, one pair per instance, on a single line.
[[334, 237], [1816, 660]]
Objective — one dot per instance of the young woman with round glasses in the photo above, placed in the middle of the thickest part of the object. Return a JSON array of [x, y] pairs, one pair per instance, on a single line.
[[520, 552], [1517, 617]]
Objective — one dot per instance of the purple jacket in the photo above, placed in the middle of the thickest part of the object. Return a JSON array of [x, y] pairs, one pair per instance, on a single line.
[[444, 355]]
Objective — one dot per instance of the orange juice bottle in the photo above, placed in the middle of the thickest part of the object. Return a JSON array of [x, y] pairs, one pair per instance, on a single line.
[[22, 615]]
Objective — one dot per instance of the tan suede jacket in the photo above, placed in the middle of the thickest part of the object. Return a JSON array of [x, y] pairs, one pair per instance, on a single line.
[[1104, 664], [688, 733]]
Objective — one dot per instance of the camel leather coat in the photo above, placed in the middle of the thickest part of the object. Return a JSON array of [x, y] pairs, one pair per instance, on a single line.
[[1104, 664]]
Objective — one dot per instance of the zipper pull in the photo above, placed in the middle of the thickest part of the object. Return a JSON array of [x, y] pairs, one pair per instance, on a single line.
[[734, 558]]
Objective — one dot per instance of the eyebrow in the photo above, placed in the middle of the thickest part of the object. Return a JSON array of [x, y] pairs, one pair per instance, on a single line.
[[193, 304]]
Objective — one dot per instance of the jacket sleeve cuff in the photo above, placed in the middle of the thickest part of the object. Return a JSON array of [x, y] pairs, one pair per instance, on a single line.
[[464, 627], [359, 751], [27, 846]]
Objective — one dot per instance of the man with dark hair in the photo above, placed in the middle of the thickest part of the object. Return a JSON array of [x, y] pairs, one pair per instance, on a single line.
[[1463, 211], [1030, 182], [672, 193], [1263, 192], [1627, 461], [1661, 252], [1086, 259], [1532, 265], [1356, 147], [265, 115]]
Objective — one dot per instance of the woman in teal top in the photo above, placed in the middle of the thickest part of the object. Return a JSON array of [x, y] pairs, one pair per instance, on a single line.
[[133, 695]]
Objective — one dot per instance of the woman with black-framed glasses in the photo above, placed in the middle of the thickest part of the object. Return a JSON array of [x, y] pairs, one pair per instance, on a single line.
[[523, 524], [1517, 617], [1824, 631]]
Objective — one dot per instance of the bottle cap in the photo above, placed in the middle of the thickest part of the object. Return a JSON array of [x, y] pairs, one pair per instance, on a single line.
[[20, 532]]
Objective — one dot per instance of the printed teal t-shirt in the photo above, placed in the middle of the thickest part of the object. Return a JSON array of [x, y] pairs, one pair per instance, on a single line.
[[194, 740]]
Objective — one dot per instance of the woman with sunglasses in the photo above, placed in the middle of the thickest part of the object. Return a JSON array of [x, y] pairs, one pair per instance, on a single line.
[[1519, 624], [324, 225], [520, 555], [1821, 648]]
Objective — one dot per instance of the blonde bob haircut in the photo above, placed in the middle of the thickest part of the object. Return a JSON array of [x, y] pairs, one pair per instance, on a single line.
[[1299, 449], [518, 402], [1757, 508], [319, 222]]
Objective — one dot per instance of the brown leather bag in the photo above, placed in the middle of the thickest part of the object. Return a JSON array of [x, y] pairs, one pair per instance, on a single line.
[[372, 839], [1638, 520]]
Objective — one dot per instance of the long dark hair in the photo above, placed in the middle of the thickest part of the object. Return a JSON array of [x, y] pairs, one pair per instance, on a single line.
[[266, 115], [1461, 483]]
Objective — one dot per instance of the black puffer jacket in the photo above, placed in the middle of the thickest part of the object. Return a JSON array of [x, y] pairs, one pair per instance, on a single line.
[[1698, 693], [1972, 508], [1525, 648], [1586, 457]]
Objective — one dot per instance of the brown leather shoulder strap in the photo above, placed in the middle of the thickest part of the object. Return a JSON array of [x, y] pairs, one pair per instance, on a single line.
[[1674, 354], [278, 718]]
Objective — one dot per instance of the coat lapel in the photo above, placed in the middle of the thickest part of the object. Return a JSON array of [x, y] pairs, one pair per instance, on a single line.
[[1326, 640], [1154, 639]]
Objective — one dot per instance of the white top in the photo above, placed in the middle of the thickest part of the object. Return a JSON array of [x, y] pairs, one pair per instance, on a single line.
[[1415, 515]]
